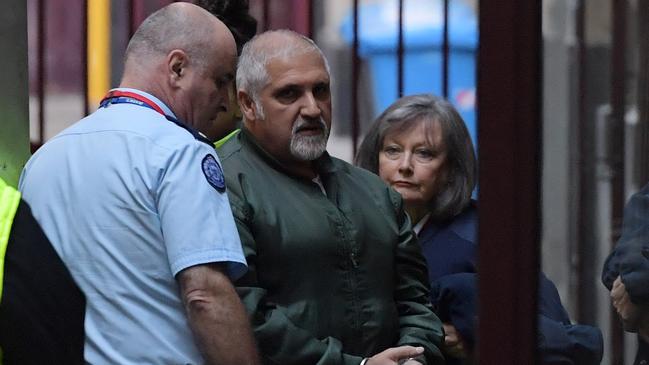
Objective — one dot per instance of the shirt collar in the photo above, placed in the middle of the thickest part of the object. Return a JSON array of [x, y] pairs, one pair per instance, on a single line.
[[417, 228], [154, 99]]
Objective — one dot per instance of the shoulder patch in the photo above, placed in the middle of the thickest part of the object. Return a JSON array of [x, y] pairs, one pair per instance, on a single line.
[[213, 173]]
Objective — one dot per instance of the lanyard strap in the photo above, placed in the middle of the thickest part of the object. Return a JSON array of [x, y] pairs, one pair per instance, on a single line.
[[126, 97]]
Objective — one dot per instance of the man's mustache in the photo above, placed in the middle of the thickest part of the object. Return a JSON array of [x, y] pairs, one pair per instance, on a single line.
[[302, 124]]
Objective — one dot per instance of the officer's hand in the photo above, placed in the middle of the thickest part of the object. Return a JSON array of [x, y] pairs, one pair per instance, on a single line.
[[394, 355], [628, 312], [453, 341]]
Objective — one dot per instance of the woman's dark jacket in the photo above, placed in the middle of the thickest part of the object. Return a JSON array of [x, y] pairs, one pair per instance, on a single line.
[[450, 251]]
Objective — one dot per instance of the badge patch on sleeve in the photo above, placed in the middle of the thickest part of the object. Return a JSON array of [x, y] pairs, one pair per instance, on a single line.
[[213, 173]]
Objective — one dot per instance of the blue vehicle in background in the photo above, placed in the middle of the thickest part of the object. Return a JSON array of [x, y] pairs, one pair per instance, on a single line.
[[422, 60]]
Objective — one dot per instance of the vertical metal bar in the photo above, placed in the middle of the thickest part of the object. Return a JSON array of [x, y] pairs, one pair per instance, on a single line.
[[355, 80], [42, 69], [14, 97], [509, 112], [445, 51], [583, 152], [641, 153], [84, 55], [618, 106], [98, 31], [266, 14], [400, 52], [301, 17], [136, 15], [131, 18], [311, 19], [616, 150]]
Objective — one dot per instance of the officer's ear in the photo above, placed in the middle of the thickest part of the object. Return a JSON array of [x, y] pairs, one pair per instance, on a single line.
[[247, 106], [176, 67]]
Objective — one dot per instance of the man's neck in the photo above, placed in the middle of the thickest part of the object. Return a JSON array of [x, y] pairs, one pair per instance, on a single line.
[[152, 88]]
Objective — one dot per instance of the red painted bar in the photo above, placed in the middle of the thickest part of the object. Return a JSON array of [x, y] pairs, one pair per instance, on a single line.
[[311, 18], [509, 128], [136, 15], [266, 15], [301, 14]]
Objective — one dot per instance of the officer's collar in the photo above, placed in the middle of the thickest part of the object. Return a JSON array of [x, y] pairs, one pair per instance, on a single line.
[[167, 111]]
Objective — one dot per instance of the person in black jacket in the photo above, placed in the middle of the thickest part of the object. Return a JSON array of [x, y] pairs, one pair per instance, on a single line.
[[41, 307], [626, 272]]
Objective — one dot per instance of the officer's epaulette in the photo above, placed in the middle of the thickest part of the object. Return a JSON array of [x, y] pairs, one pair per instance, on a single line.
[[197, 135]]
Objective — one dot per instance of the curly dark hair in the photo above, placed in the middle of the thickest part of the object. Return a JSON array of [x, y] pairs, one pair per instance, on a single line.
[[235, 14]]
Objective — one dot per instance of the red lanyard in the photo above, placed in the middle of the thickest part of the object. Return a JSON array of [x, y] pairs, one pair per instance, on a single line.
[[120, 97]]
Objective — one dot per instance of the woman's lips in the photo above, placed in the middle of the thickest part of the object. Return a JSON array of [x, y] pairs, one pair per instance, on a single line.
[[404, 184]]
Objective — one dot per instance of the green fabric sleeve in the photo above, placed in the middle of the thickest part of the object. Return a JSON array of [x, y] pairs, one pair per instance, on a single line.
[[419, 326]]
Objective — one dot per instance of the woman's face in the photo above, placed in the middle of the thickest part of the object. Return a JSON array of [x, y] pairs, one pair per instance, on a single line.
[[413, 166]]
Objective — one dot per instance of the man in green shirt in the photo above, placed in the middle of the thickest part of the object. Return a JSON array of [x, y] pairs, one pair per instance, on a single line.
[[335, 273]]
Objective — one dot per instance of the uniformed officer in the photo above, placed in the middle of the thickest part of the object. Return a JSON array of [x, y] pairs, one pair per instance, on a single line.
[[41, 308], [133, 199]]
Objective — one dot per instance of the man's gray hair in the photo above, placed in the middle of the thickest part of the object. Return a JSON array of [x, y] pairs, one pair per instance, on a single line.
[[168, 29], [252, 74]]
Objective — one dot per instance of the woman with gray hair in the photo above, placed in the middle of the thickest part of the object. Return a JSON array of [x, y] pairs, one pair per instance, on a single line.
[[421, 148], [442, 146]]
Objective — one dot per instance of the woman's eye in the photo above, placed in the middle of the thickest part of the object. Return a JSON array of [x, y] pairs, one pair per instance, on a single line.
[[391, 151], [424, 154]]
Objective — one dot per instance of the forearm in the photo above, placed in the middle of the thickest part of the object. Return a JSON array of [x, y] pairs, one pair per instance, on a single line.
[[219, 323]]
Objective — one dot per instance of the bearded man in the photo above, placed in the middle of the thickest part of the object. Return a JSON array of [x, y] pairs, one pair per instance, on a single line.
[[335, 275]]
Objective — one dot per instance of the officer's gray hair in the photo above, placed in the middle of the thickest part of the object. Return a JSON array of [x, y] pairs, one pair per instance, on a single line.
[[252, 74], [409, 112], [170, 28]]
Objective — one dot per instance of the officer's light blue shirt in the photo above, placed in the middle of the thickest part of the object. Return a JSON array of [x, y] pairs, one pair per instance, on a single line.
[[125, 198]]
